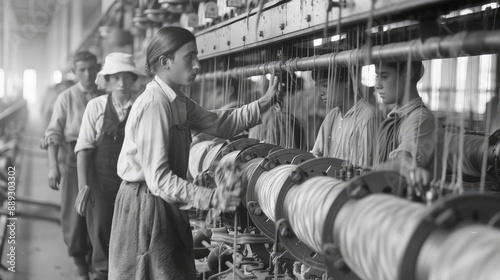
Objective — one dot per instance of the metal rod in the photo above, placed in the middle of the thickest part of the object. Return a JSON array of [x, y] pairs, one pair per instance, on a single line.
[[459, 44]]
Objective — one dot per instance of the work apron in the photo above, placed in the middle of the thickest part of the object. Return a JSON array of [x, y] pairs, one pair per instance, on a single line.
[[104, 182], [152, 239]]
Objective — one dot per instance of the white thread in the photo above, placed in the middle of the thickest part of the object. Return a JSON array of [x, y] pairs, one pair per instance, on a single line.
[[268, 188], [469, 252], [306, 207], [196, 153], [209, 158], [374, 233]]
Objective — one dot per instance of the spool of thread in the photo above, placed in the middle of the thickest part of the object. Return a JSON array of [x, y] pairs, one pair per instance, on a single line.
[[307, 205], [197, 152], [468, 252], [250, 167], [268, 188], [373, 234], [212, 152]]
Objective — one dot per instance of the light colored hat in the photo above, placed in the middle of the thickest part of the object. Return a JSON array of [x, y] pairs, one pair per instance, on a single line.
[[116, 62]]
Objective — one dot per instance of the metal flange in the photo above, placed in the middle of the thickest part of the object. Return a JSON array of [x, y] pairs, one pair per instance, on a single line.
[[231, 146], [445, 215], [311, 168], [494, 155], [256, 151], [359, 187], [261, 221], [301, 158]]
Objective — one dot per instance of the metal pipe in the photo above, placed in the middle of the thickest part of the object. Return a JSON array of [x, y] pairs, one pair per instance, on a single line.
[[463, 43]]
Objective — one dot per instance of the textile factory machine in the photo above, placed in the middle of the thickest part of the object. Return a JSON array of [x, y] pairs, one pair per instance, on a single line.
[[304, 217]]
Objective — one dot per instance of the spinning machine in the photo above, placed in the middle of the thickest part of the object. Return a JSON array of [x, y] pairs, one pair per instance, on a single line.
[[303, 217]]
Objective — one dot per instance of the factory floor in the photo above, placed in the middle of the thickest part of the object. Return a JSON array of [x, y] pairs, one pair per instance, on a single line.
[[40, 252]]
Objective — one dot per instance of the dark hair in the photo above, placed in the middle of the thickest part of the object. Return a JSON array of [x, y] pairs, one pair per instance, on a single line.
[[417, 67], [165, 42], [83, 56], [341, 74]]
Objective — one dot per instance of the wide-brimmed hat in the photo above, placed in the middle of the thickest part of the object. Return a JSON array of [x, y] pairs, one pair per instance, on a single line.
[[116, 62]]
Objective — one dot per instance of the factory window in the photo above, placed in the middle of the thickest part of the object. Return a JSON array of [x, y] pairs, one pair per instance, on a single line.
[[2, 83], [29, 85], [57, 77]]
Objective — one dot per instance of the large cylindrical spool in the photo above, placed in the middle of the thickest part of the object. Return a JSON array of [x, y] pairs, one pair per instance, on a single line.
[[268, 188], [469, 252], [373, 234], [306, 208], [196, 155], [210, 156]]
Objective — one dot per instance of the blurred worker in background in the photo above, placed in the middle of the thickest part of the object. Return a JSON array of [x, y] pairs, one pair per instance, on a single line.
[[98, 147], [62, 131]]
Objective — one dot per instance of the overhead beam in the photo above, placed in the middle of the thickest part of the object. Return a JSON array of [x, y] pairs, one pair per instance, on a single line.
[[460, 44], [283, 20]]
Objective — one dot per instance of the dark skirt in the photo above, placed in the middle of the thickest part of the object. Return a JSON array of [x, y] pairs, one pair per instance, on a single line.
[[150, 238]]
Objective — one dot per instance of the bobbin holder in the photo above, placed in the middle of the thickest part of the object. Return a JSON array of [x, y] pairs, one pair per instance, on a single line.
[[358, 188], [275, 158], [446, 215], [284, 233]]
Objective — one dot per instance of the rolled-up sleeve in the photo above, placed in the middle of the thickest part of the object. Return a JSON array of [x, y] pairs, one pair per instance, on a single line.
[[152, 136], [88, 133], [54, 134]]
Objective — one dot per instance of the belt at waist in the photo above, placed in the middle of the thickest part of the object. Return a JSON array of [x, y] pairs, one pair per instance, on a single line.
[[140, 187]]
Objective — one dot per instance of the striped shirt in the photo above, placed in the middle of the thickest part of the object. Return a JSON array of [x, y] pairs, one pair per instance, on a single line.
[[349, 137], [67, 115]]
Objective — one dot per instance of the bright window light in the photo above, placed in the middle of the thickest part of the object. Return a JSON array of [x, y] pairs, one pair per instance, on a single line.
[[493, 5], [317, 42], [368, 75], [337, 37], [2, 83], [255, 78], [29, 85], [57, 77]]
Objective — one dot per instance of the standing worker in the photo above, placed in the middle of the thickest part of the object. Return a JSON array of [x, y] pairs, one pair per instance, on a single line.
[[97, 149], [62, 131], [151, 235]]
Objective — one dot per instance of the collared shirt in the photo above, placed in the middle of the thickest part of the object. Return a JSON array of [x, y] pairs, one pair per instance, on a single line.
[[92, 120], [419, 135], [349, 137], [67, 115], [89, 94], [144, 155]]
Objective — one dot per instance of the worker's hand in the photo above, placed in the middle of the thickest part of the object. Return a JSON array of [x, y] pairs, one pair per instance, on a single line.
[[274, 94], [231, 185], [82, 200], [419, 179], [43, 143], [54, 178]]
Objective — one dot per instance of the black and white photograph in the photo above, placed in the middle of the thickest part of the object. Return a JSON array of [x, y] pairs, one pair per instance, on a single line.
[[249, 140]]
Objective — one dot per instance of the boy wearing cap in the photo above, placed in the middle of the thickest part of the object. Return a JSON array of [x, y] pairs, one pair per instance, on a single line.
[[98, 147], [348, 129], [62, 131]]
